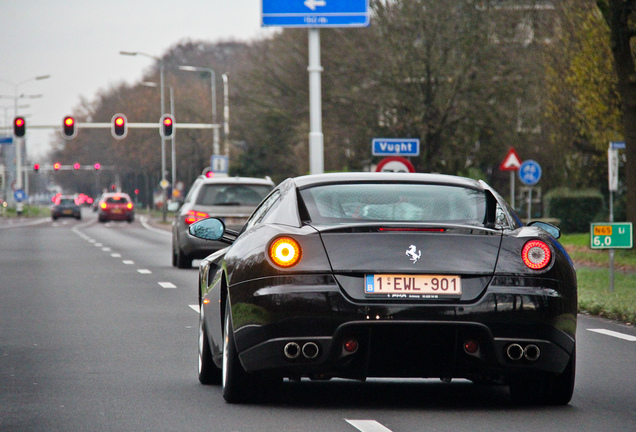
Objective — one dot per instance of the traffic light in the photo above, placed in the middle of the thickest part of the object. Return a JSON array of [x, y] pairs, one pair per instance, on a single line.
[[97, 166], [76, 166], [19, 127], [57, 166], [68, 126], [119, 126], [36, 167], [113, 187], [166, 126]]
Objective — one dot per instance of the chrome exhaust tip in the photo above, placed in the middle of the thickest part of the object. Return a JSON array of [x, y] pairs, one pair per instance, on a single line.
[[532, 352], [292, 350], [310, 350], [514, 352]]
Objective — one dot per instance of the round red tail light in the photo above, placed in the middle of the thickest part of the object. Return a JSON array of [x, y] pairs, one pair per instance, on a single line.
[[285, 252], [350, 345], [536, 254]]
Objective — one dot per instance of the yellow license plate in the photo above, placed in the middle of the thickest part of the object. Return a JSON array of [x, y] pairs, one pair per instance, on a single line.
[[67, 211], [116, 210], [413, 286]]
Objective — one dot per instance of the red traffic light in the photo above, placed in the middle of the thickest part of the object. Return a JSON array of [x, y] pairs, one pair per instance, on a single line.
[[166, 126], [36, 167], [119, 128], [97, 166], [57, 166], [19, 127], [76, 166], [68, 126]]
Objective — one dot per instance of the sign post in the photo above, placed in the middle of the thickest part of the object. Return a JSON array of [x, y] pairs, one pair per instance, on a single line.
[[530, 174], [313, 14], [511, 163], [611, 235]]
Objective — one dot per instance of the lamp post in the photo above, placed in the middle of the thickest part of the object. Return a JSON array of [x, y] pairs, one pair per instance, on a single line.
[[163, 111], [19, 141], [226, 115], [172, 138], [215, 143]]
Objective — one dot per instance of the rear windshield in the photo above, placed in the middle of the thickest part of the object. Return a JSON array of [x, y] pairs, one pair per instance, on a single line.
[[67, 201], [232, 194], [116, 200], [347, 203]]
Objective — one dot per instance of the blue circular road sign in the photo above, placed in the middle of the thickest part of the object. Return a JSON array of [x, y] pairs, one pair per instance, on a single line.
[[19, 195], [530, 172]]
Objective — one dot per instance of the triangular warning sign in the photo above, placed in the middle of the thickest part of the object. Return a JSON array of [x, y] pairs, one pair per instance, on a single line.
[[511, 162]]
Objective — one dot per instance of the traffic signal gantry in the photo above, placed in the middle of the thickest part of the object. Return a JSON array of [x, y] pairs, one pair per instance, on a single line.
[[118, 125], [57, 166]]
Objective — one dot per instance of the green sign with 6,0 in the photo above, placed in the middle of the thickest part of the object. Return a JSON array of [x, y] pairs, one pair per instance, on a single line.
[[611, 235]]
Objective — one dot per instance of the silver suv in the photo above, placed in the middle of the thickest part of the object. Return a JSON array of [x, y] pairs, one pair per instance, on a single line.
[[232, 199]]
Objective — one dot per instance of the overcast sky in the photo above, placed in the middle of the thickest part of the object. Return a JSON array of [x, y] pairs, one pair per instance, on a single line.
[[77, 42]]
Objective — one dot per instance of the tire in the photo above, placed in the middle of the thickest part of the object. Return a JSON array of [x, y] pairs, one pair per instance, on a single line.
[[183, 261], [236, 383], [546, 390], [208, 372]]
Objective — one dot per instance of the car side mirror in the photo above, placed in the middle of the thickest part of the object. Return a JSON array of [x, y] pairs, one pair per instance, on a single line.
[[549, 228], [212, 229]]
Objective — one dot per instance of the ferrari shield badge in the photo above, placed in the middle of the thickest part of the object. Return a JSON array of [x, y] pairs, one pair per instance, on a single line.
[[413, 253]]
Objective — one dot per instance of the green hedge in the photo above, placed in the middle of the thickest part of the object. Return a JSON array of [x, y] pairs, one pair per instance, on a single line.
[[576, 209]]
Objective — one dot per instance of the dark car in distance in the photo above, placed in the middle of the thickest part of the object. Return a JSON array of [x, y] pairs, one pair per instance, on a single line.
[[66, 206], [115, 206], [359, 275], [231, 198]]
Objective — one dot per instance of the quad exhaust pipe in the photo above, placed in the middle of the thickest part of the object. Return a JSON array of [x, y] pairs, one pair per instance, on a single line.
[[530, 352], [309, 350]]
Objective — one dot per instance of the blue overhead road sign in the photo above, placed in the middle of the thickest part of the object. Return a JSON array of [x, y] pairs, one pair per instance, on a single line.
[[6, 140], [315, 13], [395, 147]]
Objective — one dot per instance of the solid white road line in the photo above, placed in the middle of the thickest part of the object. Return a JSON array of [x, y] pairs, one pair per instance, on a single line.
[[624, 336], [368, 425]]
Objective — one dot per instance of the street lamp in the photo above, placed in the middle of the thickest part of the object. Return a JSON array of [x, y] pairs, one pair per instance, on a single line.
[[215, 143], [163, 111]]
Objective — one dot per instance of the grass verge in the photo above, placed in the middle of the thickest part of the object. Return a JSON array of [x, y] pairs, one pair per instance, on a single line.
[[592, 272]]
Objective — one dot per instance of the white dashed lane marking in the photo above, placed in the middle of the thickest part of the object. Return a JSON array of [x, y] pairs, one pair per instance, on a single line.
[[618, 335], [144, 271], [167, 285], [368, 426]]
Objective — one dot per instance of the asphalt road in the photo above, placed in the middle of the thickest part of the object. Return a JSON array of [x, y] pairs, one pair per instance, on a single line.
[[98, 332]]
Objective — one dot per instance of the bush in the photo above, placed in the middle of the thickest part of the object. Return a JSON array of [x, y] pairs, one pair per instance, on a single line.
[[575, 209]]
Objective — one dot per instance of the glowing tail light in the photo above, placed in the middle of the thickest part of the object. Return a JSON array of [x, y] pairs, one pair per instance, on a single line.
[[129, 206], [195, 216], [103, 205], [536, 254], [285, 252]]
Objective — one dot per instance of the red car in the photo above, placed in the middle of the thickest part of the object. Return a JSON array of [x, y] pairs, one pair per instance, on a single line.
[[115, 206]]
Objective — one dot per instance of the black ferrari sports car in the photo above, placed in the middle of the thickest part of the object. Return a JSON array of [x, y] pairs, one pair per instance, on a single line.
[[358, 275]]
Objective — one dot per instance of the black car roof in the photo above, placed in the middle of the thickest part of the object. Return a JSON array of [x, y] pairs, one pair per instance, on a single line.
[[317, 179]]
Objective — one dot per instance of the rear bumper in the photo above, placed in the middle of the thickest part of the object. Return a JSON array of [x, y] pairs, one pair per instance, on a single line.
[[414, 339]]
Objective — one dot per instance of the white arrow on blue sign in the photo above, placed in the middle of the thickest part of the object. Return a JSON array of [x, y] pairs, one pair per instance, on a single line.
[[19, 195], [315, 13], [530, 172], [395, 147]]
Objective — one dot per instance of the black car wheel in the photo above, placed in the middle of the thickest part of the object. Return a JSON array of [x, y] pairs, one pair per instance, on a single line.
[[208, 372], [237, 384], [182, 260], [546, 390]]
